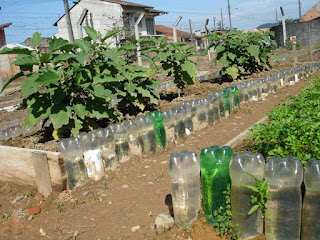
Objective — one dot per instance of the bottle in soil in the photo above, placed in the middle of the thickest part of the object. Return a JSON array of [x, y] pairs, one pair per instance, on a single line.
[[283, 215], [187, 109], [311, 202], [169, 123], [202, 111], [92, 155], [121, 143], [134, 140], [242, 169], [226, 101], [159, 130], [180, 129], [184, 170], [221, 104], [215, 178], [108, 154], [235, 96], [210, 111], [74, 164], [147, 133]]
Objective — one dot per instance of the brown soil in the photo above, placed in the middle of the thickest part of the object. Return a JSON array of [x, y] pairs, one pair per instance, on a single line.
[[133, 195]]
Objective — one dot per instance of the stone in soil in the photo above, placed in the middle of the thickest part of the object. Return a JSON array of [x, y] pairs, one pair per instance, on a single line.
[[35, 210], [135, 228], [163, 222]]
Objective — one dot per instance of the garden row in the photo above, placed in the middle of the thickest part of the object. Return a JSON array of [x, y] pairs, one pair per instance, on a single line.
[[293, 127], [89, 155], [242, 194]]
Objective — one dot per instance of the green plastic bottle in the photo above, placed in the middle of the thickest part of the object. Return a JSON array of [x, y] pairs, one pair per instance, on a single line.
[[159, 129], [215, 178], [226, 101]]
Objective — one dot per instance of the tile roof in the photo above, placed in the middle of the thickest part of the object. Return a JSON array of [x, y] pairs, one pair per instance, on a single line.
[[5, 25], [168, 31], [313, 13]]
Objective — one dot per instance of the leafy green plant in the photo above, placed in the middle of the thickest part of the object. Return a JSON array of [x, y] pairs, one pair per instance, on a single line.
[[260, 196], [174, 59], [224, 225], [31, 192], [74, 84], [242, 53], [289, 44], [293, 128]]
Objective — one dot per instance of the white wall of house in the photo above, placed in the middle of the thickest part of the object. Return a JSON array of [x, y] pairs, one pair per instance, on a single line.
[[105, 17]]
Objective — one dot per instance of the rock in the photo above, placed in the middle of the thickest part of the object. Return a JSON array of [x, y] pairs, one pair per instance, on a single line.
[[30, 218], [42, 232], [35, 210], [18, 213], [38, 197], [125, 186], [135, 228], [65, 196], [85, 193], [18, 198], [163, 222]]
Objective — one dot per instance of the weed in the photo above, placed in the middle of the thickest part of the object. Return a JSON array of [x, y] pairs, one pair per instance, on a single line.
[[32, 192], [260, 195], [5, 216], [59, 207], [224, 225]]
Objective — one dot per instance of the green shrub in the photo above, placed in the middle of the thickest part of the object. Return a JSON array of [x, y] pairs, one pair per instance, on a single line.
[[174, 59], [75, 83], [242, 53]]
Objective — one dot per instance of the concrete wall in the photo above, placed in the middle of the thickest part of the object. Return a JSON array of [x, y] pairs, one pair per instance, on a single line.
[[104, 15], [301, 30]]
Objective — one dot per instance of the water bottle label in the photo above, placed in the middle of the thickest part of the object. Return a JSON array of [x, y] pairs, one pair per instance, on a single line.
[[92, 160]]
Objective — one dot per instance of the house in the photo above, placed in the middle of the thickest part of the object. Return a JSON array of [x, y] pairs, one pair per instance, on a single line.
[[312, 14], [168, 33], [2, 34], [44, 46], [106, 15]]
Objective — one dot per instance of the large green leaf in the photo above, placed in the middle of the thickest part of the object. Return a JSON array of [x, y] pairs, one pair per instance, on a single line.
[[60, 115], [93, 34], [83, 44], [233, 71], [102, 92], [57, 44], [15, 50], [48, 77], [110, 34], [219, 49], [62, 57], [130, 87], [189, 67], [30, 86], [36, 39], [80, 110], [26, 60], [18, 75], [254, 50]]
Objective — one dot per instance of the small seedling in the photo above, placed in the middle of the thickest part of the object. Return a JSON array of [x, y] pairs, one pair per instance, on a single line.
[[32, 192], [223, 216], [59, 207], [259, 197], [5, 216]]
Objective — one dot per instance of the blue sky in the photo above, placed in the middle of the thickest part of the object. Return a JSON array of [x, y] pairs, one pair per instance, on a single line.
[[39, 15]]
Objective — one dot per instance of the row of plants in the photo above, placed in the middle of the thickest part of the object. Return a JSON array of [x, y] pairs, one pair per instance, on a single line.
[[78, 85], [293, 127]]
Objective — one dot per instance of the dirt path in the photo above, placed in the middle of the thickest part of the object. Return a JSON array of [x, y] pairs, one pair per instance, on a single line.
[[131, 196]]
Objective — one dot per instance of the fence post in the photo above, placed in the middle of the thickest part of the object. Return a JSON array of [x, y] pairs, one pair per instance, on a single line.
[[207, 41], [310, 42], [137, 35], [284, 30], [175, 36]]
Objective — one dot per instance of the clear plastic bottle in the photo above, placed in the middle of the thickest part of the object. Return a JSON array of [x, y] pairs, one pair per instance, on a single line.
[[147, 134], [169, 124], [210, 111], [121, 143], [188, 118], [215, 178], [311, 202], [219, 96], [108, 154], [184, 170], [15, 131], [180, 129], [202, 117], [241, 168], [74, 164], [134, 140], [283, 215], [92, 155], [4, 135]]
